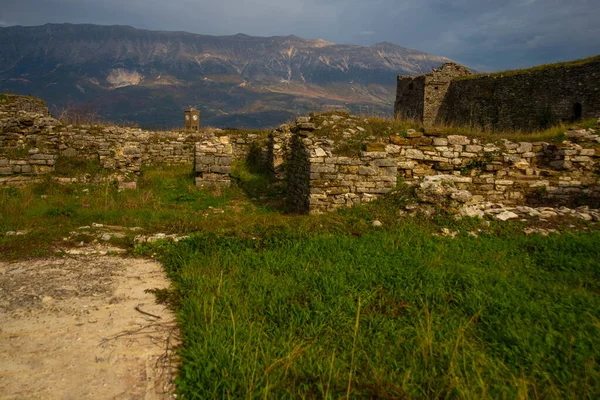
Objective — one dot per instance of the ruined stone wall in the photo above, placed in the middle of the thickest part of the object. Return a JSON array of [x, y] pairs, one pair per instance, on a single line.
[[527, 100], [421, 97], [212, 161], [319, 181], [32, 142], [456, 169], [410, 98], [11, 104], [507, 172]]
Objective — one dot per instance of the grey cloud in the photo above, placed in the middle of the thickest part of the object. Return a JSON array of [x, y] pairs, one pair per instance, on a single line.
[[484, 34]]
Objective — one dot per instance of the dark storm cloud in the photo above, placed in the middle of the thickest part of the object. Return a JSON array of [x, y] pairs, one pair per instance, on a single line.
[[484, 34]]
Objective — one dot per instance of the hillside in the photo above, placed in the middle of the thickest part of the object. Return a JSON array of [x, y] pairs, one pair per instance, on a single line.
[[148, 76]]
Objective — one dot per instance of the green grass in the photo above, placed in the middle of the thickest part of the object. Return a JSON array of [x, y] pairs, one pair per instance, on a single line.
[[388, 314], [166, 200], [376, 128], [287, 306]]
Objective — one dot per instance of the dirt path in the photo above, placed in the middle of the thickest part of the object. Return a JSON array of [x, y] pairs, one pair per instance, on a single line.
[[64, 324]]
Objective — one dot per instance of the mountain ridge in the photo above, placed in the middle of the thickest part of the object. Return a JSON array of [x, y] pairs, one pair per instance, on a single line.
[[145, 76]]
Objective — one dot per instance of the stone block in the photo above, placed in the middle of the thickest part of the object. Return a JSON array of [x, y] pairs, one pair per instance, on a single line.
[[581, 159], [376, 147], [421, 141], [206, 160], [473, 148], [323, 168], [307, 126], [223, 160], [220, 169], [458, 140], [450, 154], [525, 147], [440, 142], [414, 154], [202, 168], [587, 152], [385, 162], [362, 170]]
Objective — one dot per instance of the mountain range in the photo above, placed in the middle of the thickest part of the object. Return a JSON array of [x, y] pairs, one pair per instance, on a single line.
[[149, 77]]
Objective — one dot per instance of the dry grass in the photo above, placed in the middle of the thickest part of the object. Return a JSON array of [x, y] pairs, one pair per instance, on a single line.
[[537, 68]]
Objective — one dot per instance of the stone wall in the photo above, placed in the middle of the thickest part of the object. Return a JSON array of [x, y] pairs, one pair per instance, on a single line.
[[506, 172], [11, 105], [454, 170], [529, 99], [31, 143], [512, 100], [319, 181], [410, 98], [420, 97], [212, 164]]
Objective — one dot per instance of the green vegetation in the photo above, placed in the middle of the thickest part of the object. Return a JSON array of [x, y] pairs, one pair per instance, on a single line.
[[287, 306], [15, 152], [377, 128], [388, 314], [537, 68]]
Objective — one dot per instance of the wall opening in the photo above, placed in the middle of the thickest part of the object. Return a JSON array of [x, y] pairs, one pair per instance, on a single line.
[[411, 86], [577, 112]]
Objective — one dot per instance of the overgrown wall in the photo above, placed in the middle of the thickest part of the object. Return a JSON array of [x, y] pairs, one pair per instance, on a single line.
[[11, 104], [467, 170], [31, 142], [528, 100], [507, 172], [320, 181]]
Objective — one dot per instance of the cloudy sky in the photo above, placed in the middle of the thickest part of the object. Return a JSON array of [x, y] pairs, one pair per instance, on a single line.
[[484, 34]]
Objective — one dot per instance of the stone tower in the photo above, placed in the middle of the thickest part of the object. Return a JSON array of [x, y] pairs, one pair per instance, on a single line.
[[420, 97], [191, 119]]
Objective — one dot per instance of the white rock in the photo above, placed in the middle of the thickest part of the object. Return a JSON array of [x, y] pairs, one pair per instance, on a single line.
[[506, 215], [471, 211], [584, 216], [377, 223], [462, 196]]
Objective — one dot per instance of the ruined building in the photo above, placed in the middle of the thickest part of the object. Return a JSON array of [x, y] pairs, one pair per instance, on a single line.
[[512, 100]]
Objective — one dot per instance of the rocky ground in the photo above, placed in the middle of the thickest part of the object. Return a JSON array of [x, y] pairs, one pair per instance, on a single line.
[[82, 326]]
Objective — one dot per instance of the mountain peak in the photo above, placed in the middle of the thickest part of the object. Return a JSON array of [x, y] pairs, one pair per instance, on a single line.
[[149, 76]]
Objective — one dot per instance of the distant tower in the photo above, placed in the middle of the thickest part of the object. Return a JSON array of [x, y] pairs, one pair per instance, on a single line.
[[192, 119]]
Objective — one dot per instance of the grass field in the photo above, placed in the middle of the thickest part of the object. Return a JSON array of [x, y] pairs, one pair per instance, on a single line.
[[389, 314], [282, 306]]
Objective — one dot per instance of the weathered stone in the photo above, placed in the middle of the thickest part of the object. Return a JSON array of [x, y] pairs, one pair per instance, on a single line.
[[421, 141], [376, 146], [368, 170], [458, 140], [506, 215], [411, 133], [400, 141], [462, 196], [414, 154]]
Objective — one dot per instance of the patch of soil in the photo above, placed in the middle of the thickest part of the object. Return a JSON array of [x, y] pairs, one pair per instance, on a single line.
[[69, 329]]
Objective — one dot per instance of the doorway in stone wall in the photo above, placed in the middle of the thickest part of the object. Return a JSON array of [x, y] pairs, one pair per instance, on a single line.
[[577, 112]]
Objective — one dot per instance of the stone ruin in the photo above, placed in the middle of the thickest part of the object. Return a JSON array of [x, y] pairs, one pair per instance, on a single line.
[[456, 172], [527, 100]]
